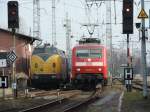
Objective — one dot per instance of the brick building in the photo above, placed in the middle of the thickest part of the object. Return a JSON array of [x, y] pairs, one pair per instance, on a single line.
[[23, 50]]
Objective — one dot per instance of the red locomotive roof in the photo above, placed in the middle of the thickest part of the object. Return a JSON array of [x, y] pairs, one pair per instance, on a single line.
[[89, 46]]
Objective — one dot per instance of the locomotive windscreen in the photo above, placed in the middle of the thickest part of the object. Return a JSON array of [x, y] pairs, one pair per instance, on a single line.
[[89, 53]]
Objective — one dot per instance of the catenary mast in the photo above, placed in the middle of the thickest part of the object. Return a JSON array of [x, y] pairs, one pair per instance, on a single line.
[[36, 18], [53, 24]]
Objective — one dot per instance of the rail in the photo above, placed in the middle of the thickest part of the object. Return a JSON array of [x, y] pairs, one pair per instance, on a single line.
[[65, 104]]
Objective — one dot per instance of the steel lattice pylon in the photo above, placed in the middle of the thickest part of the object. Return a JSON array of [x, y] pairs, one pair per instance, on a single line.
[[36, 18], [109, 36], [53, 24]]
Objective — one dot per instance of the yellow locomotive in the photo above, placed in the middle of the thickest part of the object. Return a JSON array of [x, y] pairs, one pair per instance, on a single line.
[[49, 67]]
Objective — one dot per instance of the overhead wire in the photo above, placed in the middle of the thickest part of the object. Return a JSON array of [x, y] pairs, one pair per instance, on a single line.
[[88, 13], [89, 4]]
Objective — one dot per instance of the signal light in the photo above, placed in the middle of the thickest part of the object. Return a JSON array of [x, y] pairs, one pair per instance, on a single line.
[[127, 10], [127, 16], [13, 19]]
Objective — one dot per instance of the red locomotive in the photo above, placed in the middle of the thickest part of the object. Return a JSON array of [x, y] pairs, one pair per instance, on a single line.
[[89, 63]]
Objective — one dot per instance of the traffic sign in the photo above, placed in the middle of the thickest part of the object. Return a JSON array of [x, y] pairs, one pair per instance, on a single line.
[[11, 56], [14, 85], [142, 14], [3, 59], [3, 81], [128, 73], [3, 63]]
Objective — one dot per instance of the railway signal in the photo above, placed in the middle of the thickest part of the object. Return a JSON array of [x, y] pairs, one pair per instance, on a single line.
[[11, 57], [13, 18], [128, 77], [3, 81], [128, 73], [13, 23], [127, 16]]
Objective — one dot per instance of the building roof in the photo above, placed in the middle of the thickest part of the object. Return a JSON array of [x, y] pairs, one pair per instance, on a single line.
[[27, 37]]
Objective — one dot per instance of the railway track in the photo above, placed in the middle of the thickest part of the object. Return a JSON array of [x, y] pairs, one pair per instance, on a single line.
[[79, 105], [62, 97], [67, 104], [24, 104], [44, 106], [49, 93], [139, 86]]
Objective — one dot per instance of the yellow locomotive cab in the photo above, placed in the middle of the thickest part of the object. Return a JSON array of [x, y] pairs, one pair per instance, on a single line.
[[53, 65], [37, 64], [48, 67]]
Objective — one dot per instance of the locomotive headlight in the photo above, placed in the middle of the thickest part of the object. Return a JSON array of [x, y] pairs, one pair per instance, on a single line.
[[78, 69], [89, 59], [100, 69]]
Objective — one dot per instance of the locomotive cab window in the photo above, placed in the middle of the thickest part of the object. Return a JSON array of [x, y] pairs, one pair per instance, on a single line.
[[95, 53], [89, 53], [36, 65], [82, 53]]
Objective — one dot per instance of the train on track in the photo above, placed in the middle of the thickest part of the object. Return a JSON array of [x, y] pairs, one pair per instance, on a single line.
[[89, 63], [49, 67]]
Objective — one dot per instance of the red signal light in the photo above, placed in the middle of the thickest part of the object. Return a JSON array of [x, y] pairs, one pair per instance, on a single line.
[[13, 13]]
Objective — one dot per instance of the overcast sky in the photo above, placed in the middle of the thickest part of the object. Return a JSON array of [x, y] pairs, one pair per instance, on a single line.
[[77, 14]]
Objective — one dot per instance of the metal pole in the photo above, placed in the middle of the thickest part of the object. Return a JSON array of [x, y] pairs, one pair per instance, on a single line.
[[128, 64], [128, 58], [149, 19], [14, 65], [109, 36], [30, 66], [67, 25], [68, 30], [143, 55], [3, 88]]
